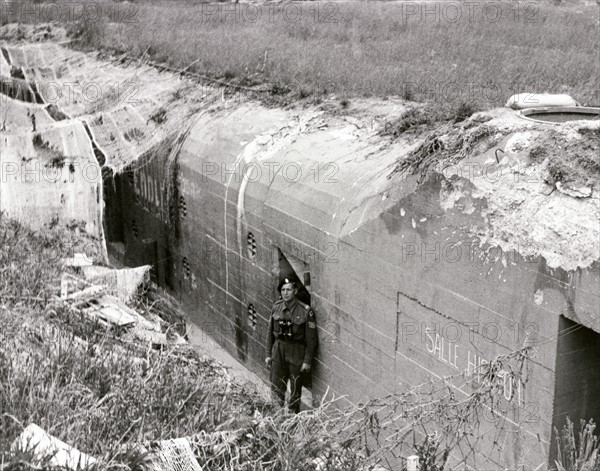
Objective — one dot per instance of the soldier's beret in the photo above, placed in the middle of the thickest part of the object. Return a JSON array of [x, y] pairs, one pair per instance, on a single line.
[[286, 281]]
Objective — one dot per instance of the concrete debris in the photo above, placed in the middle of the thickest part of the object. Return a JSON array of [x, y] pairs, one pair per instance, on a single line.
[[412, 463], [129, 111], [90, 297], [124, 283], [521, 208], [57, 137], [575, 192], [73, 288], [78, 260], [45, 446], [51, 176], [110, 310]]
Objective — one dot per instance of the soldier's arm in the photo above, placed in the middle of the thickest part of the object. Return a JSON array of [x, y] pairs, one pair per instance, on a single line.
[[311, 338]]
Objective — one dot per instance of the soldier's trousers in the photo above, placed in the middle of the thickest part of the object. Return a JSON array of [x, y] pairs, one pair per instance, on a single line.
[[287, 359]]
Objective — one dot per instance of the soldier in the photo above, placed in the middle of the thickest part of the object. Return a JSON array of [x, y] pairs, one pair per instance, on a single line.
[[291, 344]]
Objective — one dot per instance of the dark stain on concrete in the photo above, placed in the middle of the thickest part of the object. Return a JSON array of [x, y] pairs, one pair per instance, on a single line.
[[241, 338]]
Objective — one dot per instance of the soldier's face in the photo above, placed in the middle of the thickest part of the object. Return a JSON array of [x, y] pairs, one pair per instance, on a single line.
[[288, 292]]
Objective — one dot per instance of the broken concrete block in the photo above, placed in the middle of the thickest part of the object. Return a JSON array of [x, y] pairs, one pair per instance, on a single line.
[[78, 260], [123, 283], [574, 191], [45, 445], [109, 309], [72, 288], [51, 176]]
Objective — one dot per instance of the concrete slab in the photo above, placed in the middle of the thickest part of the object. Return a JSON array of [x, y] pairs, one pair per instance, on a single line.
[[45, 445]]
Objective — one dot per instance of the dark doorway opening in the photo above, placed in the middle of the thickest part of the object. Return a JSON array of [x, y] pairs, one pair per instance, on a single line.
[[295, 269], [113, 206], [288, 266], [577, 378]]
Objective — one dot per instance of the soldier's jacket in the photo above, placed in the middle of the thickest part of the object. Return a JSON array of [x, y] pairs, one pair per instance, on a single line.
[[296, 324]]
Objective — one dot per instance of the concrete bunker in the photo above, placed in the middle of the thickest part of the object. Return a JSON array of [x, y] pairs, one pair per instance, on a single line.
[[370, 226], [398, 264]]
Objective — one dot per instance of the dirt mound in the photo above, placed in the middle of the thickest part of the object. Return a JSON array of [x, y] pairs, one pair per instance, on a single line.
[[539, 183]]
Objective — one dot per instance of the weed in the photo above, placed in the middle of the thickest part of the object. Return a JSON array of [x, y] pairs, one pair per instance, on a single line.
[[412, 118], [463, 111], [571, 457], [442, 63]]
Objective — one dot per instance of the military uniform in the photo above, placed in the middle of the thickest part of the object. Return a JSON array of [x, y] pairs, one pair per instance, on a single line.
[[291, 341]]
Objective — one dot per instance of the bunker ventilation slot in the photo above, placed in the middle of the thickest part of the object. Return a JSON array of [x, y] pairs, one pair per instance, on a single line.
[[182, 207], [251, 246], [187, 269], [252, 316]]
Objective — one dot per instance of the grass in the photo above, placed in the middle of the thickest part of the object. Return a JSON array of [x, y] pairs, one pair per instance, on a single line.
[[93, 389], [371, 49], [84, 384], [308, 51], [581, 453], [105, 394]]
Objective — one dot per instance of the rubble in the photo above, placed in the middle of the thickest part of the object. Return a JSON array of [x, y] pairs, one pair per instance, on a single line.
[[124, 282], [90, 297], [46, 446]]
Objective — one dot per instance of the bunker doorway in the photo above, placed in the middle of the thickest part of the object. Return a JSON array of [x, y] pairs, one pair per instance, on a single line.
[[291, 267], [577, 378], [295, 269], [113, 208]]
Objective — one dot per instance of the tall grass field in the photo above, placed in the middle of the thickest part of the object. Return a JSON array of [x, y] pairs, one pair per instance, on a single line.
[[444, 53]]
